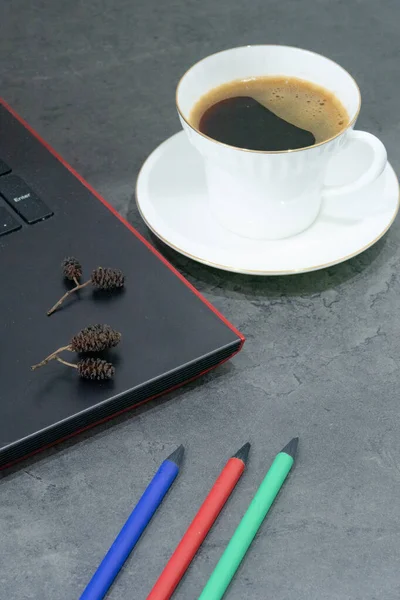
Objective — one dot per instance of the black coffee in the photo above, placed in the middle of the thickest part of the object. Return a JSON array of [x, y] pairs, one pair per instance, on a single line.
[[243, 122], [269, 114]]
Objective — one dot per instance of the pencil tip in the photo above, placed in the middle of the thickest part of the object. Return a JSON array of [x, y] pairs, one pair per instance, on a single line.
[[291, 447], [243, 453], [177, 455]]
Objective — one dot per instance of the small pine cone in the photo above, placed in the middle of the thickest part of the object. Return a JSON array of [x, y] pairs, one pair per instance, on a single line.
[[95, 338], [95, 369], [107, 279], [72, 268]]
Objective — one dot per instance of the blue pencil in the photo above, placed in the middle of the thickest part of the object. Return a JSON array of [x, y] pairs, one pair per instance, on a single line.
[[124, 543]]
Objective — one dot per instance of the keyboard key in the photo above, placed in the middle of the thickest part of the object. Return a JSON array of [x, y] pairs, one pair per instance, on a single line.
[[4, 169], [23, 200], [7, 222]]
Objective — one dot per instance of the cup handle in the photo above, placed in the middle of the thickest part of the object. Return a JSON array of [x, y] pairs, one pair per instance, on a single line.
[[375, 169]]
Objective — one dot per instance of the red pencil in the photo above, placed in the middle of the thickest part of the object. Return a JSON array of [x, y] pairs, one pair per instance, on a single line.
[[200, 526]]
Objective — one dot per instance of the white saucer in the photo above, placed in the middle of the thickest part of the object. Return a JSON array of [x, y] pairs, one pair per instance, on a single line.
[[172, 200]]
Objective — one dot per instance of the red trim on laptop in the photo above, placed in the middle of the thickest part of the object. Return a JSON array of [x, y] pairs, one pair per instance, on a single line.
[[160, 256]]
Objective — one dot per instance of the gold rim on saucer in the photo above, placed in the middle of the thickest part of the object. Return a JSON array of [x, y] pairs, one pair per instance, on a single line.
[[262, 272]]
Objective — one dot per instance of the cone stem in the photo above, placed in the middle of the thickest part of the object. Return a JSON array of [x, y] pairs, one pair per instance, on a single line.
[[64, 362], [61, 300], [50, 357]]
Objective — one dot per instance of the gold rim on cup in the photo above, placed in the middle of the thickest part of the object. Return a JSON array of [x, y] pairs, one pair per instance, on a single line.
[[350, 124]]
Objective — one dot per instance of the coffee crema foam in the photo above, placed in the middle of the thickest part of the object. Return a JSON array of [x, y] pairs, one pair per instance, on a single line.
[[299, 102]]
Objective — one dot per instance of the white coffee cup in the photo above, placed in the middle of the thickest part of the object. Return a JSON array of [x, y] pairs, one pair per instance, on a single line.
[[272, 195]]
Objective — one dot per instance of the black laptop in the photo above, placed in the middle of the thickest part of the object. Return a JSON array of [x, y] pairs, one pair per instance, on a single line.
[[170, 333]]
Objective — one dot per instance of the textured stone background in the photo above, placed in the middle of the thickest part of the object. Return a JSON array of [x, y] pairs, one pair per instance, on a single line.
[[96, 79]]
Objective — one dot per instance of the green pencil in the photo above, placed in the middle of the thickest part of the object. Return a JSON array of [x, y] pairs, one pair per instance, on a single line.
[[236, 549]]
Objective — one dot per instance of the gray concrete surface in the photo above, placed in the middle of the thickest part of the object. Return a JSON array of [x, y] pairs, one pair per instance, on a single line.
[[96, 79]]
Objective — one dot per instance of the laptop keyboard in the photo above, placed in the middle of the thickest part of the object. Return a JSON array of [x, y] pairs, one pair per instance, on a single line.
[[7, 222], [4, 168], [21, 199]]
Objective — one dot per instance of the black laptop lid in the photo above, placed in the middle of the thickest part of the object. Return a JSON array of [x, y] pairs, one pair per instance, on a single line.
[[165, 325]]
